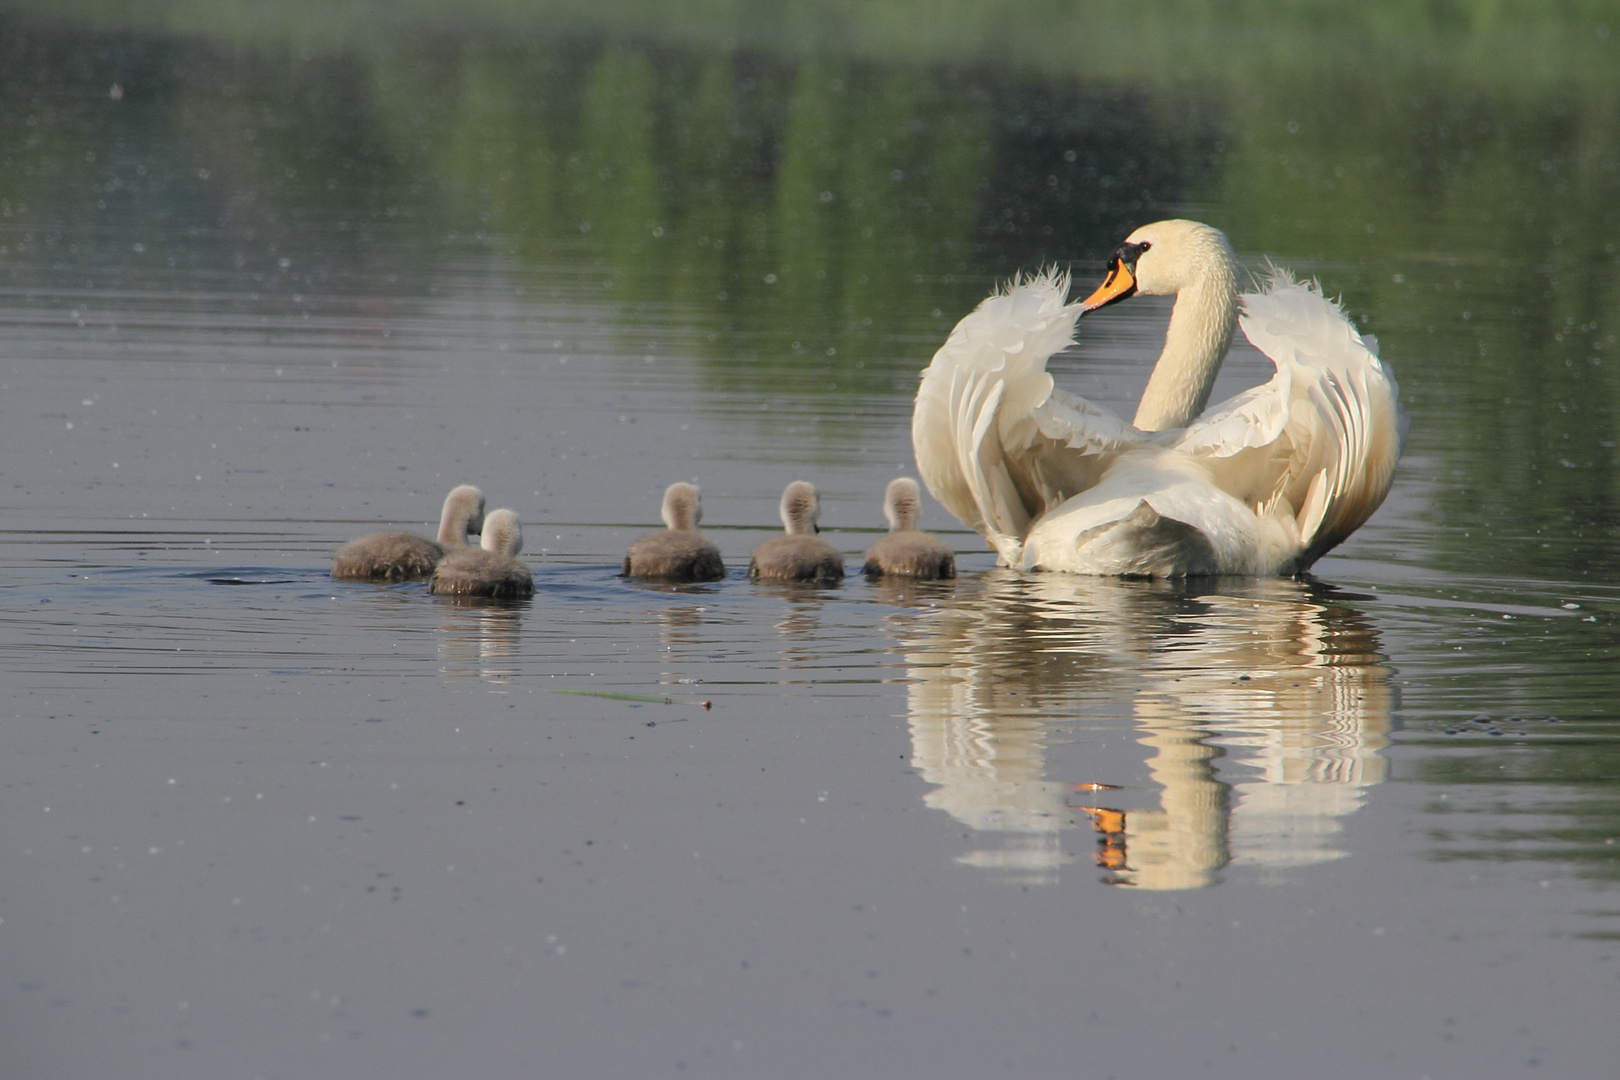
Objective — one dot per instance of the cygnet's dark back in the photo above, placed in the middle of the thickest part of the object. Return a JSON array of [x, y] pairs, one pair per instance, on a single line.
[[490, 571], [910, 554], [906, 552], [800, 555], [678, 552], [404, 556], [387, 556]]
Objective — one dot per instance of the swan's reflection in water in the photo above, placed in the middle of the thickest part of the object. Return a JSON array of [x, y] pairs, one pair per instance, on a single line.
[[1262, 704], [479, 639]]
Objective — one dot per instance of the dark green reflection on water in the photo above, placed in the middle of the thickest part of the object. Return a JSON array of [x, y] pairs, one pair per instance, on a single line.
[[773, 199], [810, 216]]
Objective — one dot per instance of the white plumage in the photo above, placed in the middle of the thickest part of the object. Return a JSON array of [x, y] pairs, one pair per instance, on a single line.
[[1261, 484]]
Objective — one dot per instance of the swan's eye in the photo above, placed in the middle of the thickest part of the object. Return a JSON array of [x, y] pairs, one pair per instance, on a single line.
[[1129, 253]]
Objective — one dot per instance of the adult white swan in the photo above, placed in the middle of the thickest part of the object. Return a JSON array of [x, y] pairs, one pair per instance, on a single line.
[[1262, 484]]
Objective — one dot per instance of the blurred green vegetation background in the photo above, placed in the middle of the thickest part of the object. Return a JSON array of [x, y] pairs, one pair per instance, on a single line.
[[1149, 41]]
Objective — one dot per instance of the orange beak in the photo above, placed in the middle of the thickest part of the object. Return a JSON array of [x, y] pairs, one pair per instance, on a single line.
[[1119, 284]]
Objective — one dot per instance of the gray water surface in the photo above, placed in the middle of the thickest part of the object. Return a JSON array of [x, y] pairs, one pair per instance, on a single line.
[[262, 823]]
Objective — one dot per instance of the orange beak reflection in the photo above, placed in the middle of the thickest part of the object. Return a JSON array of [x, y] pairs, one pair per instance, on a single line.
[[1119, 284], [1106, 821]]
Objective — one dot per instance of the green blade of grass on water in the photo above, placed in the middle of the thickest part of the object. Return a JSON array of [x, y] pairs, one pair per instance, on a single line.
[[612, 696]]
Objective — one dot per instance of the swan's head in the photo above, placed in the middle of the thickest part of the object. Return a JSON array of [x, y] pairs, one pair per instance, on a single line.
[[1162, 259], [683, 507], [801, 506], [902, 504], [502, 533]]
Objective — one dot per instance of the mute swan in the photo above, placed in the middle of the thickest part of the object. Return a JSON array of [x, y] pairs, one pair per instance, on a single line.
[[800, 555], [403, 556], [905, 552], [679, 552], [490, 570], [1261, 484]]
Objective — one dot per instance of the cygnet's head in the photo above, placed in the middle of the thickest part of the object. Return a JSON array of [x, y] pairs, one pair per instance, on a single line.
[[683, 506], [1164, 258], [801, 506], [902, 504], [503, 534], [463, 514]]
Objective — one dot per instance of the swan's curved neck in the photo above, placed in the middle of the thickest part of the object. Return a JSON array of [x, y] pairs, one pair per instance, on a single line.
[[1200, 332]]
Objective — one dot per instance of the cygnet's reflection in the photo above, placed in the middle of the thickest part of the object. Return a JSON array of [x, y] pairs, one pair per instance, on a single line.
[[1262, 704], [798, 627], [480, 641], [681, 639]]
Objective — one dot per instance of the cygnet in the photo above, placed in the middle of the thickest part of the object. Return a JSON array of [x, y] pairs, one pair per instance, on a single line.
[[678, 552], [490, 570], [800, 555], [906, 552], [403, 556]]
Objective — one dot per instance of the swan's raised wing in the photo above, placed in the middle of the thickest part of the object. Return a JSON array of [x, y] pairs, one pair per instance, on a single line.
[[1318, 443], [996, 443]]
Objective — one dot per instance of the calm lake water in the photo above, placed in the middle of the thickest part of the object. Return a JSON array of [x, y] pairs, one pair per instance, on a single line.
[[256, 300]]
